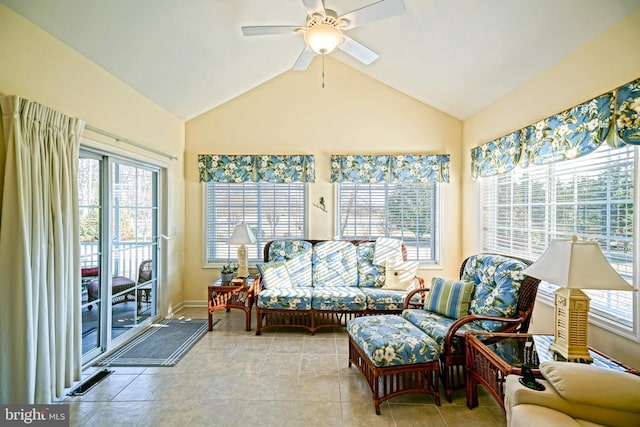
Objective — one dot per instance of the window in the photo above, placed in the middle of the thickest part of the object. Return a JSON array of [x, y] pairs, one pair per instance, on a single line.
[[405, 211], [591, 197], [273, 211]]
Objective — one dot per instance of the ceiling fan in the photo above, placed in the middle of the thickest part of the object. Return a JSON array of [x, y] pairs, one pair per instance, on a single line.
[[324, 30]]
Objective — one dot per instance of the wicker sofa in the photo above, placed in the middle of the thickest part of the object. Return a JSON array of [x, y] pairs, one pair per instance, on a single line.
[[314, 284]]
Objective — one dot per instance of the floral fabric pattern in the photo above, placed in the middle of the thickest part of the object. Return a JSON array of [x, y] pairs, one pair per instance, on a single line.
[[285, 169], [275, 275], [570, 134], [251, 168], [385, 300], [628, 113], [369, 274], [420, 168], [297, 254], [497, 284], [496, 157], [338, 298], [387, 168], [335, 264], [392, 341], [226, 169], [436, 326], [289, 298], [364, 169]]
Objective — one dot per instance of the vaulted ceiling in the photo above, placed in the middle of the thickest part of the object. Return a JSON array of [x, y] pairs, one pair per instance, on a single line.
[[189, 56]]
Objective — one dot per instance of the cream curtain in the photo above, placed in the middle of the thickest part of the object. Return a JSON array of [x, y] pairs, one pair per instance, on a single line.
[[40, 320]]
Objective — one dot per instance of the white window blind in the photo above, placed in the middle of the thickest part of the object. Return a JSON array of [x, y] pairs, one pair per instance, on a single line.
[[405, 211], [272, 211], [591, 197]]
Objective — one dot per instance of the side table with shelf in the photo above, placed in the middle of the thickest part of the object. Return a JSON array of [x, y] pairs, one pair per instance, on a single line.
[[228, 295], [490, 357]]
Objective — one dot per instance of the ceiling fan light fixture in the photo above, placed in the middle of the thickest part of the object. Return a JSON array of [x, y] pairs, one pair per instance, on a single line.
[[323, 38]]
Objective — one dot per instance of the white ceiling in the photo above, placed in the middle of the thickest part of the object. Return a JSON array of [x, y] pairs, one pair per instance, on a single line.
[[190, 55]]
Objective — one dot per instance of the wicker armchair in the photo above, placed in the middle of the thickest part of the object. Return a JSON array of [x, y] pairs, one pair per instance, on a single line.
[[452, 359]]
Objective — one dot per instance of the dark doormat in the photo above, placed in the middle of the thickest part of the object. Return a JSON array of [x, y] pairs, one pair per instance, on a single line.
[[163, 344]]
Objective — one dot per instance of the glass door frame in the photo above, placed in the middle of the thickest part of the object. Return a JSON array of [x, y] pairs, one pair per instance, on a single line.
[[107, 160]]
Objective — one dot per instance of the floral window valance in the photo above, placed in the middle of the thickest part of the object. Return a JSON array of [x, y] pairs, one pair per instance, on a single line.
[[256, 168], [567, 135], [628, 113], [496, 157], [570, 134], [388, 168]]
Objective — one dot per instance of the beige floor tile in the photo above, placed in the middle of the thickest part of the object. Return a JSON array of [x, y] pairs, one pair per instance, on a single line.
[[285, 377]]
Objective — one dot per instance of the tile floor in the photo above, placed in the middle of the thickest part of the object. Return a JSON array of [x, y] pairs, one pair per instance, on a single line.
[[283, 378]]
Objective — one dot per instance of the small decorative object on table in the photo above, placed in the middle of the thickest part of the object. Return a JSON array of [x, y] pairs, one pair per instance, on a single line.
[[227, 273]]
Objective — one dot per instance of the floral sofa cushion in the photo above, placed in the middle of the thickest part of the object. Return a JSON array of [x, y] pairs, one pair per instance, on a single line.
[[384, 299], [436, 326], [291, 298], [497, 284], [297, 254], [369, 274], [392, 341], [275, 274], [335, 264], [338, 298]]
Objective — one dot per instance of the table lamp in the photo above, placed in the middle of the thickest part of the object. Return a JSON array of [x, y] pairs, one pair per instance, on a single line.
[[242, 235], [574, 265]]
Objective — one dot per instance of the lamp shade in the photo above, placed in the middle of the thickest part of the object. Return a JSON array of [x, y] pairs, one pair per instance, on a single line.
[[323, 38], [242, 235], [577, 264]]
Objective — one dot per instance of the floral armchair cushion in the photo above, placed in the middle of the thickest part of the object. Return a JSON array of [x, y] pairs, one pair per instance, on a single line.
[[335, 264], [297, 254], [392, 341], [497, 284], [369, 274], [383, 299], [437, 325]]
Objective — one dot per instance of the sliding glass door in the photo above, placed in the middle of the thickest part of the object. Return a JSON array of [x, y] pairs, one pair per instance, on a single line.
[[119, 249]]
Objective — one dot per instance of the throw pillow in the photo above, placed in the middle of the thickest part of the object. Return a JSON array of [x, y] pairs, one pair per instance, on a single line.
[[400, 275], [275, 275], [449, 297]]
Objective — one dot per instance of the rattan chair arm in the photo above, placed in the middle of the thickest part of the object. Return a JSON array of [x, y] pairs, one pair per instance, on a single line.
[[453, 329], [407, 299]]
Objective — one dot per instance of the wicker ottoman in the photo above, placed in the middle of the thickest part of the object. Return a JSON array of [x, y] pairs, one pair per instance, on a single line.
[[394, 356]]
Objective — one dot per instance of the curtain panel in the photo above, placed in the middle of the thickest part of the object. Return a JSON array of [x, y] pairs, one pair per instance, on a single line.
[[256, 168], [389, 168], [567, 135], [40, 292]]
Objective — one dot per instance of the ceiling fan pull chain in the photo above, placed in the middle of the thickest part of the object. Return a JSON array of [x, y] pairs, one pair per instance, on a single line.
[[323, 71]]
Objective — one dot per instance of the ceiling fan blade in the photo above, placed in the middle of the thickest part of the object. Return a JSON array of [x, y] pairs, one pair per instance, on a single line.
[[358, 51], [374, 12], [303, 61], [269, 30], [314, 7]]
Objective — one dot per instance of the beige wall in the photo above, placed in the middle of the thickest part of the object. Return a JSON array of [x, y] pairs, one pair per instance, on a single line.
[[292, 114], [38, 67], [606, 62]]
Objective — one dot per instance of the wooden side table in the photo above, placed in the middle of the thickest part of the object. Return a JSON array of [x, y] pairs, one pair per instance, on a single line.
[[231, 295], [490, 357]]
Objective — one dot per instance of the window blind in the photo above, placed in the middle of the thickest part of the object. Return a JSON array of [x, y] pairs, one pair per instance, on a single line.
[[272, 211], [405, 211], [591, 197]]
